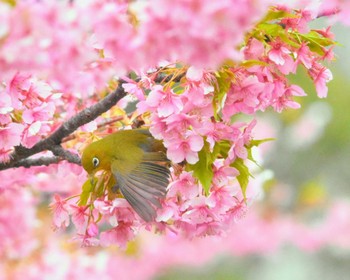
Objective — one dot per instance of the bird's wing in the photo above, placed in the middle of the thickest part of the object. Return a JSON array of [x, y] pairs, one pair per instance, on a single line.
[[155, 156], [152, 149], [143, 186]]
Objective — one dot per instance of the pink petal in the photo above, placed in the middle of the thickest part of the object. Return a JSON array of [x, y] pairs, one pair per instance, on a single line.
[[194, 74], [177, 103], [165, 109], [165, 214], [297, 91], [27, 116], [92, 230], [155, 96], [322, 89], [11, 135], [276, 57], [196, 143], [292, 104], [176, 155], [191, 157], [5, 103], [34, 128]]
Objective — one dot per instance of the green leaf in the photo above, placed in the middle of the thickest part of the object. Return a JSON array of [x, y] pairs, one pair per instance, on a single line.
[[276, 14], [222, 85], [289, 40], [87, 189], [110, 186], [177, 88], [221, 148], [269, 29], [313, 36], [101, 186], [244, 174], [316, 42], [257, 143], [250, 63], [203, 169]]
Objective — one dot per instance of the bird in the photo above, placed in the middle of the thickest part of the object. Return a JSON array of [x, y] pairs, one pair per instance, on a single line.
[[139, 165]]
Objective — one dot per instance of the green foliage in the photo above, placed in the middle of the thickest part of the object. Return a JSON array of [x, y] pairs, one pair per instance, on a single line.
[[239, 164], [203, 169], [96, 187], [272, 30], [87, 189], [221, 149], [316, 42], [177, 88], [252, 62], [244, 174], [274, 15], [224, 79], [12, 3], [271, 27]]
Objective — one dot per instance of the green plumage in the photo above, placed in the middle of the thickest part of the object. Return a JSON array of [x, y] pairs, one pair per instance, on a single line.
[[135, 159]]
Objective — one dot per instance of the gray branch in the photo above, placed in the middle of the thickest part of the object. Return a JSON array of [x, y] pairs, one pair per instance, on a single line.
[[58, 151], [29, 162]]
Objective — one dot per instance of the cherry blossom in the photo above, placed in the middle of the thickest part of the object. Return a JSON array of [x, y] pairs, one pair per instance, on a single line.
[[60, 213], [165, 102], [119, 235], [184, 149], [11, 135], [321, 76], [190, 71]]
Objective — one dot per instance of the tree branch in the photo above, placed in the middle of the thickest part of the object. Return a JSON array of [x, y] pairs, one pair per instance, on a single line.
[[53, 141], [29, 162], [21, 155], [58, 151]]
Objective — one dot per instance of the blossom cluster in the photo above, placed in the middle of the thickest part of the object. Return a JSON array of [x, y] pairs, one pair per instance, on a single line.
[[17, 241], [194, 68], [50, 41], [27, 106], [258, 234], [70, 60], [339, 9], [78, 47], [71, 49], [195, 114]]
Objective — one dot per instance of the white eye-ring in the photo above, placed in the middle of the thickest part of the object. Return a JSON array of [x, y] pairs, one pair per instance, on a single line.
[[95, 161]]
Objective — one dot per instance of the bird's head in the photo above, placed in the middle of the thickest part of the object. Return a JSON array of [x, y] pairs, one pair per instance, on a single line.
[[94, 158]]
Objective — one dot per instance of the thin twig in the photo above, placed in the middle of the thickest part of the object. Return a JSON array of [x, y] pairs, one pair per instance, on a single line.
[[103, 124]]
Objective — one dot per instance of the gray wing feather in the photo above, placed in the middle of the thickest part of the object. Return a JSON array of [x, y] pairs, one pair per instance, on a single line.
[[143, 188], [141, 205]]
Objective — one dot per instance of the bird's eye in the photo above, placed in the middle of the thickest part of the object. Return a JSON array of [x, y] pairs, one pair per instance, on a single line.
[[95, 161]]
